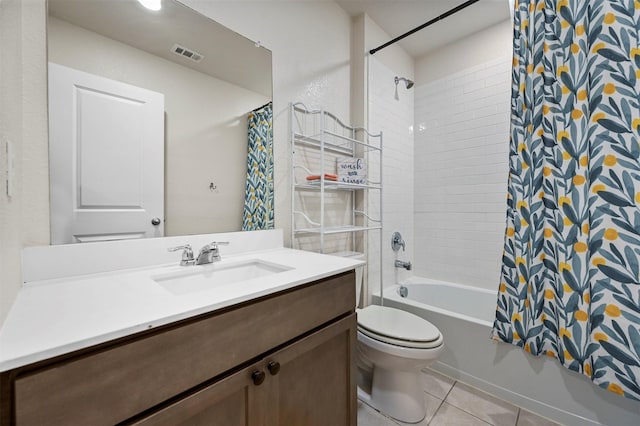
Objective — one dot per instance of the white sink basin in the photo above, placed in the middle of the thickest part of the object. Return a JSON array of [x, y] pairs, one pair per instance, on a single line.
[[201, 278]]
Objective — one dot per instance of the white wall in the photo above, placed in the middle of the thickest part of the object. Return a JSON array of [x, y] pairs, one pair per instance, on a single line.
[[461, 158], [492, 42], [24, 217], [395, 119], [205, 126]]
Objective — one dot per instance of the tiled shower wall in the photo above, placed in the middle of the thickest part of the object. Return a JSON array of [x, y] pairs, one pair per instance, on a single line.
[[395, 119], [461, 168]]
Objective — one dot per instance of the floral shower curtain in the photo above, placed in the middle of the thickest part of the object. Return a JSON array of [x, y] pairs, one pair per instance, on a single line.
[[570, 279], [258, 205]]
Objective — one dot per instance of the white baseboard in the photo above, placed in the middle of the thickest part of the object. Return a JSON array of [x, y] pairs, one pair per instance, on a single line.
[[552, 413]]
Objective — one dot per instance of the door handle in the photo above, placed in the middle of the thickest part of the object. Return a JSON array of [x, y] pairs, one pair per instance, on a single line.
[[155, 221]]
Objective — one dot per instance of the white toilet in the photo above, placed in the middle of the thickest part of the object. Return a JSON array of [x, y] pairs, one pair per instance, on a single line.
[[393, 346]]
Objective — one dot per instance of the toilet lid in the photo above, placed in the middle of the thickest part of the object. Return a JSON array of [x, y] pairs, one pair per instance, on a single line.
[[397, 327]]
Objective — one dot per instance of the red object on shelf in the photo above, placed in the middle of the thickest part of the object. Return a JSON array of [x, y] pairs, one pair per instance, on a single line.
[[327, 176]]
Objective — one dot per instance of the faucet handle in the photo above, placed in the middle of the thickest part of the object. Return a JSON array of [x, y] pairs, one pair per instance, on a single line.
[[397, 242], [187, 254], [210, 253], [215, 244]]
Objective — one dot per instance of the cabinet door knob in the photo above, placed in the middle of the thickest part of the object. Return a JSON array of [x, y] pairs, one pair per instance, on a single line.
[[258, 377], [155, 221], [274, 367]]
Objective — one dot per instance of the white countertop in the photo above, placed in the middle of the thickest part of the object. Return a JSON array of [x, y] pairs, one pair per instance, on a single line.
[[56, 316]]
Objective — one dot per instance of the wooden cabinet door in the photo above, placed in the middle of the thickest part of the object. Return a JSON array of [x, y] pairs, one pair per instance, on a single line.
[[232, 401], [315, 383]]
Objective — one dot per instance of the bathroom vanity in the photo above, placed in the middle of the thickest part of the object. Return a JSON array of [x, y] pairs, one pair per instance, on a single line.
[[268, 357]]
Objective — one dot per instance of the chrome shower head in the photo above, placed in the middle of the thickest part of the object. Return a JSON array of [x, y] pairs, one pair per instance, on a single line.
[[408, 84]]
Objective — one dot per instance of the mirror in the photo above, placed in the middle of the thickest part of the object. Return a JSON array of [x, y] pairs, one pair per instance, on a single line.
[[209, 77]]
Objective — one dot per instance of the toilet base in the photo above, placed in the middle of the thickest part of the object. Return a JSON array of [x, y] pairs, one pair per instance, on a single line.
[[397, 394]]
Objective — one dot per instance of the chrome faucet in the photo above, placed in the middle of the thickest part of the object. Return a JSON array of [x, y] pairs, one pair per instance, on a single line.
[[187, 254], [401, 264], [210, 253]]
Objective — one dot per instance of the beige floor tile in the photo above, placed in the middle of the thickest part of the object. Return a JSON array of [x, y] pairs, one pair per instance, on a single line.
[[435, 383], [432, 404], [448, 415], [484, 406], [367, 416], [527, 418]]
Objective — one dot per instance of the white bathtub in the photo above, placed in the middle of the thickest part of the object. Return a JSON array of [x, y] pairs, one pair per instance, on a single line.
[[464, 316]]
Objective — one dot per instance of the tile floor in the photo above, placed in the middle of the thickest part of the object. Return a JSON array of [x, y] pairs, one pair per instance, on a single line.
[[451, 403]]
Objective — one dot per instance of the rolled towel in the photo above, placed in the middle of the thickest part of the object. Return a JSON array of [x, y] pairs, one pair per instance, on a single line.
[[327, 176]]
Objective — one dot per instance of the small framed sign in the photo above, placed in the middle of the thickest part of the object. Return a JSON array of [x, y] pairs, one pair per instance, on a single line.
[[352, 170]]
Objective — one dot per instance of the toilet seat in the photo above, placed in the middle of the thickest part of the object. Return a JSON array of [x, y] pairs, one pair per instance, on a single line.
[[397, 327]]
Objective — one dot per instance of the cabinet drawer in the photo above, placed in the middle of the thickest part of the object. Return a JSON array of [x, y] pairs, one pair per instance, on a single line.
[[115, 383]]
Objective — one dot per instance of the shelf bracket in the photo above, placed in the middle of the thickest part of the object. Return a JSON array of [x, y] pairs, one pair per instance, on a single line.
[[367, 216], [306, 218]]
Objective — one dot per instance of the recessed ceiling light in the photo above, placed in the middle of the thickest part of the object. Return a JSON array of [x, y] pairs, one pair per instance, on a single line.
[[151, 4]]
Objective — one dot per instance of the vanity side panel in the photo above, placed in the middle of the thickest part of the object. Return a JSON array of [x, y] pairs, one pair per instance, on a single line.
[[114, 384], [6, 393]]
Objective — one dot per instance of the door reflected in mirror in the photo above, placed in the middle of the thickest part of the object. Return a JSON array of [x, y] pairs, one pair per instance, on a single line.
[[210, 79]]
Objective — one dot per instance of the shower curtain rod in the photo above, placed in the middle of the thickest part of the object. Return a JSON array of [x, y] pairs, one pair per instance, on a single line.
[[426, 24], [260, 107]]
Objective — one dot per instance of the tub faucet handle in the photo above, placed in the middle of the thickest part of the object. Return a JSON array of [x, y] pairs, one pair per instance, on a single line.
[[397, 241]]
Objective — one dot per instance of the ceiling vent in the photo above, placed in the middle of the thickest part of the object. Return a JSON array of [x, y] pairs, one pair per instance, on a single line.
[[187, 53]]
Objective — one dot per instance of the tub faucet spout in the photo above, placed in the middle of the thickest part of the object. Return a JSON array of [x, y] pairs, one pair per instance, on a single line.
[[401, 264]]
